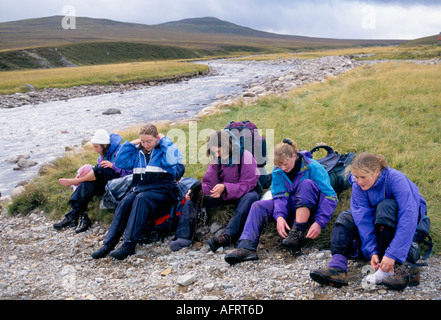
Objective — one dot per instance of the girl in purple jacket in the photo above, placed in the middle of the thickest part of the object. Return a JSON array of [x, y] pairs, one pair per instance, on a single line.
[[385, 210], [231, 178], [301, 192]]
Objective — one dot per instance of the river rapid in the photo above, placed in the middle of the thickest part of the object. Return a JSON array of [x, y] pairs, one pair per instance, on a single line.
[[43, 131]]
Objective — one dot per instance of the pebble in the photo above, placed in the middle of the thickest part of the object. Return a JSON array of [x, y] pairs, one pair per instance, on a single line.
[[38, 262]]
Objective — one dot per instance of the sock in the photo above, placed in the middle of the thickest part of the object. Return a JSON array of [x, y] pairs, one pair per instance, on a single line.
[[300, 226], [180, 243], [339, 261]]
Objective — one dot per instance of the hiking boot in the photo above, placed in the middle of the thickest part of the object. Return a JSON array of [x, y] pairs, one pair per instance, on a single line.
[[330, 276], [293, 242], [84, 223], [67, 222], [127, 249], [102, 252], [241, 255], [405, 275], [224, 240]]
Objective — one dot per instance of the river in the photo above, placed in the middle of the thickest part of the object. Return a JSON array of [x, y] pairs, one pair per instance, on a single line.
[[44, 130]]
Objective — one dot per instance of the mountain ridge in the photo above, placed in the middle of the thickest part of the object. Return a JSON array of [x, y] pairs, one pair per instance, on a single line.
[[196, 32]]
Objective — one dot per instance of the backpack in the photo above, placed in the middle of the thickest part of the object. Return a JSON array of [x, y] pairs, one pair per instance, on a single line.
[[335, 164], [420, 238], [251, 140]]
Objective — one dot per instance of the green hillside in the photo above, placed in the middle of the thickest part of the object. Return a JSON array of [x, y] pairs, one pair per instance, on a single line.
[[44, 43]]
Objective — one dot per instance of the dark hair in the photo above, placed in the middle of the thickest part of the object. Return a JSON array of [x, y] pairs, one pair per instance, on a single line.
[[220, 139]]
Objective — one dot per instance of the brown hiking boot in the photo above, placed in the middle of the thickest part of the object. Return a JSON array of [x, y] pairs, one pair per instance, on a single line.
[[330, 277], [240, 255], [293, 242], [224, 240], [405, 275]]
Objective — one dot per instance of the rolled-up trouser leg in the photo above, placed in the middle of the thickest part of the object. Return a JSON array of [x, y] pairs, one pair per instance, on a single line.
[[344, 236]]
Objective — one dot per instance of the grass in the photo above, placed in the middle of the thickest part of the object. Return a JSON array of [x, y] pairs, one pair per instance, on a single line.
[[14, 81], [388, 108], [401, 52]]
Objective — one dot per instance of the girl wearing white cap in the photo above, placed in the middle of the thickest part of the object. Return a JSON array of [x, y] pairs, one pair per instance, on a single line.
[[91, 181]]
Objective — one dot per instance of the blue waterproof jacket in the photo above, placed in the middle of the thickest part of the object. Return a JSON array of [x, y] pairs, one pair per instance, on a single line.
[[163, 167], [391, 184], [115, 145], [282, 187]]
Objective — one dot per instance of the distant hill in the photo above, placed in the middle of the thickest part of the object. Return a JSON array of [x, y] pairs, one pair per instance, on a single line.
[[197, 32], [96, 41]]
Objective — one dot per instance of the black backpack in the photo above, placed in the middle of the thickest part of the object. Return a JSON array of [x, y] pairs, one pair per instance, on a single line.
[[422, 238], [335, 164]]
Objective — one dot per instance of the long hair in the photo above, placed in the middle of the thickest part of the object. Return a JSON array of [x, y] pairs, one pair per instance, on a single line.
[[285, 151], [368, 162], [220, 139]]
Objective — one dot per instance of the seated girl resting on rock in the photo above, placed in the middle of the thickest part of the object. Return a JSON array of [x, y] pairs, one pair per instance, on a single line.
[[156, 165], [385, 210], [91, 181], [301, 192], [229, 179]]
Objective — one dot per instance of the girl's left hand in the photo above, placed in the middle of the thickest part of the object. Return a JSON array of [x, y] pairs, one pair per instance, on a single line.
[[387, 264], [106, 164], [217, 190], [314, 231]]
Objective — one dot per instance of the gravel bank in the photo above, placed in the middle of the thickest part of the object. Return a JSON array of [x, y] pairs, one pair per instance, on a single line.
[[39, 263]]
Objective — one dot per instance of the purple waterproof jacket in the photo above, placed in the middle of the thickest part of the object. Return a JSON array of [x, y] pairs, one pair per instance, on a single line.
[[236, 183]]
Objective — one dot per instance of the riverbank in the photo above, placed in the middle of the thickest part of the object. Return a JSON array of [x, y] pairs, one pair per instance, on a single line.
[[39, 263], [372, 108]]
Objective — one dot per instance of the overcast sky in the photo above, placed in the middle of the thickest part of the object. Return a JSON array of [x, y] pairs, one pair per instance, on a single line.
[[364, 19]]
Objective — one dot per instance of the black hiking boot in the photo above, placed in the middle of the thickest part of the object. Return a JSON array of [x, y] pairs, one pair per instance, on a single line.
[[102, 252], [240, 255], [224, 240], [293, 242], [84, 223], [330, 276], [127, 249], [66, 222]]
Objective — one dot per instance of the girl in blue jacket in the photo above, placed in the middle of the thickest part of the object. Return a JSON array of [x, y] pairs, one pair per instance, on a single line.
[[156, 164], [301, 191], [385, 210], [93, 180]]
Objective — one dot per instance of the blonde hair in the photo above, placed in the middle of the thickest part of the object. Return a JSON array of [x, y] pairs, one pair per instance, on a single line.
[[149, 129], [368, 162], [285, 151]]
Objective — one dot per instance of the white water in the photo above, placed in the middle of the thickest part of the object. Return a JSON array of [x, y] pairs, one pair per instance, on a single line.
[[37, 129]]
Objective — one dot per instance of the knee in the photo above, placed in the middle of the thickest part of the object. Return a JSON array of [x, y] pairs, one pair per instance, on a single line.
[[345, 219], [386, 213]]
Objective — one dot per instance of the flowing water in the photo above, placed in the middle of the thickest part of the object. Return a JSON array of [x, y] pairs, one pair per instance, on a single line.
[[44, 130]]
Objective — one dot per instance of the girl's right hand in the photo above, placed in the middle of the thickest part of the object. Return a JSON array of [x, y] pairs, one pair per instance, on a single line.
[[136, 142], [187, 196], [282, 227]]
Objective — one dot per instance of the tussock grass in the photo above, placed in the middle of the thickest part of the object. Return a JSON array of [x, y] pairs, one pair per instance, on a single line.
[[14, 81], [391, 108]]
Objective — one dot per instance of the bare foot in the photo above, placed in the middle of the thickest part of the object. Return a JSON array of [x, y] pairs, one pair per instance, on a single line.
[[66, 182]]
